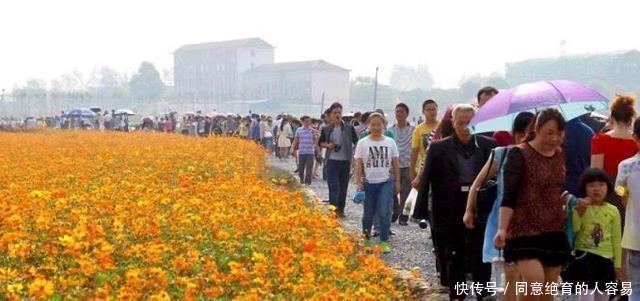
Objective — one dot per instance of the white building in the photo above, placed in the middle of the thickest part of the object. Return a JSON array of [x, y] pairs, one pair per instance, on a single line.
[[298, 83], [210, 72]]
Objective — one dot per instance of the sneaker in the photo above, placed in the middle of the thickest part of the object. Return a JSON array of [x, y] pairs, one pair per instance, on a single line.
[[403, 223], [375, 233], [385, 247]]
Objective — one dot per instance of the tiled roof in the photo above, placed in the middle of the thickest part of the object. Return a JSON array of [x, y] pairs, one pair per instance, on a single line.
[[295, 66], [251, 42]]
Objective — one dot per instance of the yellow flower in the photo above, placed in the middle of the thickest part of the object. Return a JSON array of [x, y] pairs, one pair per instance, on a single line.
[[110, 216], [38, 193], [40, 288], [8, 274], [161, 296], [66, 239], [15, 288], [257, 256]]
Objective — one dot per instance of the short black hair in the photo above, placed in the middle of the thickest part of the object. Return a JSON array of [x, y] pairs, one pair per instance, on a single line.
[[591, 175], [403, 105], [486, 90], [636, 127], [334, 106], [365, 116], [303, 118], [522, 122], [429, 101]]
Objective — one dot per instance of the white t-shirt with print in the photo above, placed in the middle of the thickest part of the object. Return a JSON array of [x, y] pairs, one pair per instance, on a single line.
[[376, 157], [629, 177]]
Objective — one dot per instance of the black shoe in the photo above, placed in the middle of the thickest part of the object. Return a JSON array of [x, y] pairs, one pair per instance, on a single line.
[[403, 223], [375, 233], [391, 232], [394, 218]]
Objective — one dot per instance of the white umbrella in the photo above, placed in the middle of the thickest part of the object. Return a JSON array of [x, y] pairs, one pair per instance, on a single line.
[[124, 112]]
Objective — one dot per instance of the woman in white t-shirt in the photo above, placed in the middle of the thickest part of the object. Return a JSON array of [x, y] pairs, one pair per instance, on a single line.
[[376, 158]]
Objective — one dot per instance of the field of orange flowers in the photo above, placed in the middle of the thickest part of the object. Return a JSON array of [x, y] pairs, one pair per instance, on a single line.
[[151, 216]]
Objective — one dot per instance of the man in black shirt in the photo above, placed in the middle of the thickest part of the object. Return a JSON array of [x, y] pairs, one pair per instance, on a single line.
[[452, 165]]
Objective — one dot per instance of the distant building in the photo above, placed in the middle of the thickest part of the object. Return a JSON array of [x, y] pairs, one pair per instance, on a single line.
[[620, 68], [210, 72], [298, 83]]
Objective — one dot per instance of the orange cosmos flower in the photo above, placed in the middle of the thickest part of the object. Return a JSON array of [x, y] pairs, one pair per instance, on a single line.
[[40, 288]]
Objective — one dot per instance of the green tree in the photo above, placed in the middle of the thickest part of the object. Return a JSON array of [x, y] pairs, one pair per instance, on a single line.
[[107, 83], [146, 85]]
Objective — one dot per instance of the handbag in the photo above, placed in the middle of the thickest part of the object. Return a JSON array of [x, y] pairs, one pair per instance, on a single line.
[[487, 194], [410, 203]]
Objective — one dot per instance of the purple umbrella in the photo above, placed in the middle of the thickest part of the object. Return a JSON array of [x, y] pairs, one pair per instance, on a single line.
[[570, 98]]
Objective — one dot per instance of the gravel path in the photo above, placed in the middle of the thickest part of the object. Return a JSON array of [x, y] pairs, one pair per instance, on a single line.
[[411, 245]]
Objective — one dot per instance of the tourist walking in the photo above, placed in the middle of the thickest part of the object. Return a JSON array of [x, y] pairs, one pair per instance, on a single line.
[[339, 140], [285, 134], [597, 229], [304, 144], [532, 218], [376, 160], [451, 166], [403, 131], [522, 126], [628, 186], [610, 148]]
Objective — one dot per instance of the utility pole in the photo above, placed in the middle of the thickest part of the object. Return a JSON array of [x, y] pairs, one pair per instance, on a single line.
[[375, 89], [322, 105]]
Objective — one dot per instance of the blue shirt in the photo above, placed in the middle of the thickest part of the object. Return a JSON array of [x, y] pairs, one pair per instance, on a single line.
[[577, 152], [306, 146], [489, 251], [255, 129]]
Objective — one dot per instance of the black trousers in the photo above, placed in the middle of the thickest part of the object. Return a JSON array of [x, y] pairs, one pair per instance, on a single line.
[[459, 250]]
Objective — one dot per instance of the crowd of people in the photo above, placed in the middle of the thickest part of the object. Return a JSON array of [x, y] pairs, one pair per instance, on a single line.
[[551, 198], [565, 202]]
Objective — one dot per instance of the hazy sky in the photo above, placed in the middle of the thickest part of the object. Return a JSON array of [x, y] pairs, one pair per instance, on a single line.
[[45, 39]]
